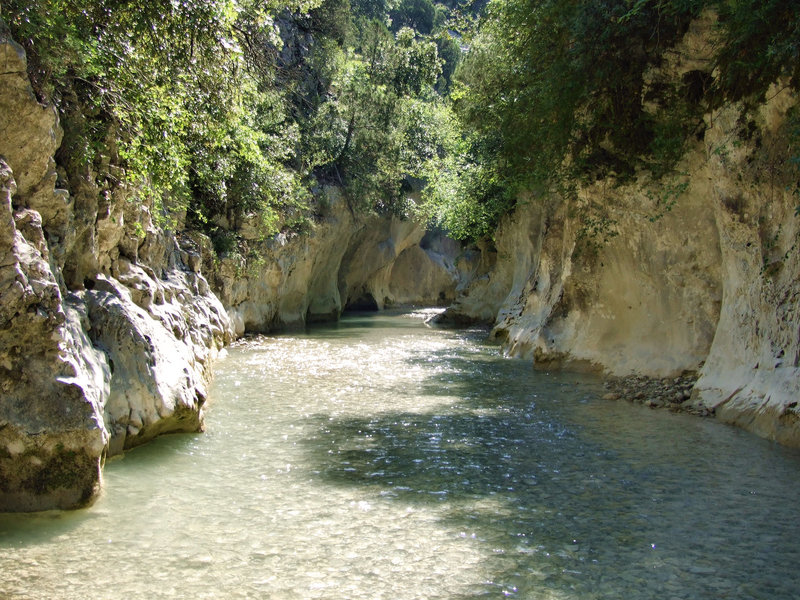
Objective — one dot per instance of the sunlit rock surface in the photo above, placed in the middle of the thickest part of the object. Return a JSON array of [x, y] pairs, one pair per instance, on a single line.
[[160, 356], [696, 273], [426, 273], [108, 330], [53, 384], [645, 301], [752, 376], [346, 261]]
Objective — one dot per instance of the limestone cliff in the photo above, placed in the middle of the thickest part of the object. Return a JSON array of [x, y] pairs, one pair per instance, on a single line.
[[345, 261], [697, 272], [751, 376], [108, 328]]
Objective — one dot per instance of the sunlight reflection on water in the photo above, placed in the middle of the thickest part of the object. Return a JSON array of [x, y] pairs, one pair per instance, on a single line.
[[379, 458]]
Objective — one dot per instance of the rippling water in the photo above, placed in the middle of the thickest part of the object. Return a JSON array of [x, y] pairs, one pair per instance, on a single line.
[[379, 458]]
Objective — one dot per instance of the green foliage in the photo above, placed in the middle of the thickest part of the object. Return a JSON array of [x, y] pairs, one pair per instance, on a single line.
[[223, 111], [558, 91], [418, 15], [668, 197], [186, 88], [567, 79], [231, 110], [371, 10], [373, 131], [594, 233], [449, 52], [760, 43], [464, 194]]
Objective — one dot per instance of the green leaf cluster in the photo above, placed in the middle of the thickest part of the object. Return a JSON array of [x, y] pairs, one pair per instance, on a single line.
[[553, 92], [375, 129], [222, 111]]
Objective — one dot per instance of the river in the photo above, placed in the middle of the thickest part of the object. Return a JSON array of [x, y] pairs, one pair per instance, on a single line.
[[378, 458]]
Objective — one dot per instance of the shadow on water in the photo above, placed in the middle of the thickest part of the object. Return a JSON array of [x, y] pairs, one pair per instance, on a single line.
[[30, 529], [27, 529], [559, 512]]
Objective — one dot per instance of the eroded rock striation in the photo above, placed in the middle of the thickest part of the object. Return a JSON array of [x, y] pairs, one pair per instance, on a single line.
[[108, 330], [697, 274]]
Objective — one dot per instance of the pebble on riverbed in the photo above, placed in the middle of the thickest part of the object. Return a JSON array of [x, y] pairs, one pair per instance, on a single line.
[[671, 393]]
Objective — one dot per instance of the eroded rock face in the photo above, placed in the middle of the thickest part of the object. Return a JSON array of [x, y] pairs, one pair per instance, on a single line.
[[160, 362], [709, 285], [751, 377], [645, 301], [30, 136], [425, 274], [345, 261], [108, 330], [54, 383]]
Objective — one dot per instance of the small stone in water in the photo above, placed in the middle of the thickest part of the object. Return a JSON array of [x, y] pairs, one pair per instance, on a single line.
[[702, 570]]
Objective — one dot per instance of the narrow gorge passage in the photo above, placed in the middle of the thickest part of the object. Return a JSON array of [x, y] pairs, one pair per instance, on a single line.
[[380, 458]]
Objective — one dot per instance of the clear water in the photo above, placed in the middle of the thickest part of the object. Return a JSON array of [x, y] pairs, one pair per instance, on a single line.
[[382, 459]]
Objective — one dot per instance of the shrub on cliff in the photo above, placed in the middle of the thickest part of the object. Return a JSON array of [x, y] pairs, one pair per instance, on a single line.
[[196, 120], [552, 92]]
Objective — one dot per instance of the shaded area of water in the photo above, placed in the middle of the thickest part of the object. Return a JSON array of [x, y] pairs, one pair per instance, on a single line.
[[379, 458]]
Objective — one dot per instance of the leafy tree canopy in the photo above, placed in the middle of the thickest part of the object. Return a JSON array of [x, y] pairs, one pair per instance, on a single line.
[[226, 109], [553, 91]]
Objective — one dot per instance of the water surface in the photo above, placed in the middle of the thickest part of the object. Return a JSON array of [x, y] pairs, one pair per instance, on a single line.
[[379, 458]]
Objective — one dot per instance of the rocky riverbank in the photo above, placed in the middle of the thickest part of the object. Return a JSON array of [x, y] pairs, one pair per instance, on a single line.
[[671, 393], [698, 273], [109, 327]]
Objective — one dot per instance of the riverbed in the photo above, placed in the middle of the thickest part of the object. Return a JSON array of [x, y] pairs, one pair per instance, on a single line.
[[379, 458]]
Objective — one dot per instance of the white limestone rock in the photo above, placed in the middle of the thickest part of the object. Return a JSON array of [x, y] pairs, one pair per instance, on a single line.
[[751, 377], [53, 383], [160, 357], [64, 405], [343, 261]]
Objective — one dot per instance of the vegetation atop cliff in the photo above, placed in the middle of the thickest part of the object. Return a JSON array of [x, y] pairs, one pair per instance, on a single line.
[[227, 109], [552, 92]]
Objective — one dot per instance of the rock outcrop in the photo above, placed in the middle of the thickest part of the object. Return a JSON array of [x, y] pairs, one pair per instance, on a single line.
[[751, 377], [53, 382], [644, 301], [345, 261], [695, 273], [108, 330]]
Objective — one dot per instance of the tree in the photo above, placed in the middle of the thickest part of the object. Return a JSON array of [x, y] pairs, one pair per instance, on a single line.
[[415, 14], [371, 146]]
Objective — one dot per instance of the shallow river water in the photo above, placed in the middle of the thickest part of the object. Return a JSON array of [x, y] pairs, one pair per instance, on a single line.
[[380, 458]]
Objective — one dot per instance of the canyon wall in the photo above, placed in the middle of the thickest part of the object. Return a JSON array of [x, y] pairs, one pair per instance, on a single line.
[[751, 376], [696, 274], [108, 325], [109, 330], [345, 261]]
